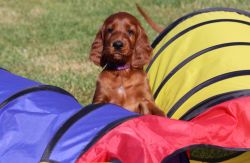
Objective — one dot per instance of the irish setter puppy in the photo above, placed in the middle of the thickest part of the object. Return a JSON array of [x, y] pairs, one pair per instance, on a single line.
[[122, 48]]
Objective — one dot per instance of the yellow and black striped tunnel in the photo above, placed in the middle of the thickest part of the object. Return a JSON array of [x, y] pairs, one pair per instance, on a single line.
[[200, 60]]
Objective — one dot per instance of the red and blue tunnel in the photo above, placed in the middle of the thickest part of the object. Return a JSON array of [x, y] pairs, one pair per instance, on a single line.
[[45, 123]]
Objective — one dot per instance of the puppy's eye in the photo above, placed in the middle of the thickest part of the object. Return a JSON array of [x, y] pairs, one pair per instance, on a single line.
[[130, 32], [109, 30]]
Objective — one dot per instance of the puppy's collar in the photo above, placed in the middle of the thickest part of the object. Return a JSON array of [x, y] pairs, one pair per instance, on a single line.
[[118, 68], [123, 67]]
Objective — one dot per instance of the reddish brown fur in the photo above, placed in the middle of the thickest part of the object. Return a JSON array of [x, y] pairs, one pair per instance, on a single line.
[[155, 26], [128, 88]]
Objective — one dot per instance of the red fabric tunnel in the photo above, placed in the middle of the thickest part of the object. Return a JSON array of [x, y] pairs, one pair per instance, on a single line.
[[153, 139]]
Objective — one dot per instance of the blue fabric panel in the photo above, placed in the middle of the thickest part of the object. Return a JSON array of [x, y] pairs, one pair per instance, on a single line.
[[11, 84], [84, 130], [29, 122]]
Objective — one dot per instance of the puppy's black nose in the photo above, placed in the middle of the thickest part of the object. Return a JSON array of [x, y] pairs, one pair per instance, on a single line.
[[118, 45]]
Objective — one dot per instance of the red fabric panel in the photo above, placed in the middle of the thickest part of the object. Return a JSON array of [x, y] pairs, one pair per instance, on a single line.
[[152, 138]]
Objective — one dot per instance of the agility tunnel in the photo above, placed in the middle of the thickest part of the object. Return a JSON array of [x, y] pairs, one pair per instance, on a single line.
[[30, 113], [42, 123], [201, 60], [199, 76]]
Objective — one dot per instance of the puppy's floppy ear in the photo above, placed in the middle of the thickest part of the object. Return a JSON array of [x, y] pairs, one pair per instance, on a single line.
[[97, 48], [143, 50]]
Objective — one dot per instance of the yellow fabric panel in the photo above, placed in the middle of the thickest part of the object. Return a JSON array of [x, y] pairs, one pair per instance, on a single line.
[[193, 161], [198, 19], [192, 42], [202, 68], [243, 158], [223, 86]]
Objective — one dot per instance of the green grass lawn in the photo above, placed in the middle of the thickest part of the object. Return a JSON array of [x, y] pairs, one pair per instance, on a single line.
[[49, 40]]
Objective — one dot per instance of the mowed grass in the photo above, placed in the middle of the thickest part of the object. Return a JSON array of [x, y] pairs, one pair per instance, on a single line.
[[49, 40]]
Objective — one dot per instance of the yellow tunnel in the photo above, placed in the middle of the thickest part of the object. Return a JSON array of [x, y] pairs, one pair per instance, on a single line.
[[200, 60]]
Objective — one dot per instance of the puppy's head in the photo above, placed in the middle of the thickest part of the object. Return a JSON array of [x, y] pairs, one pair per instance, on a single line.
[[121, 41]]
